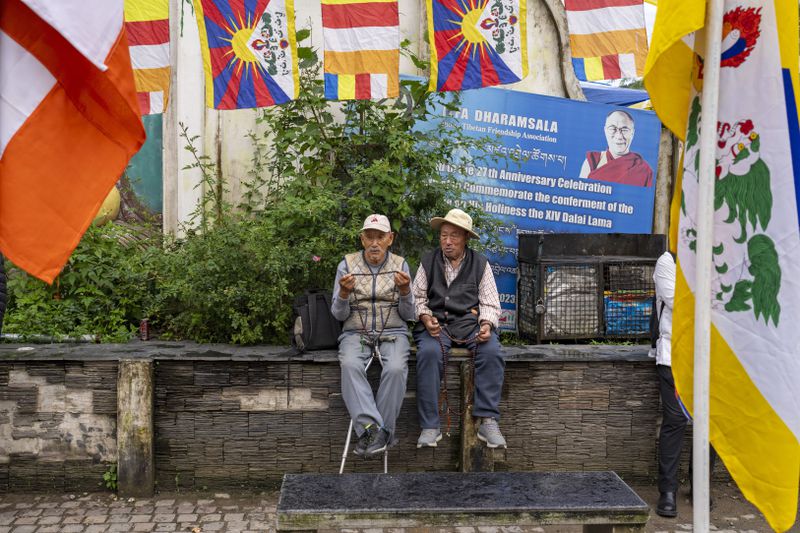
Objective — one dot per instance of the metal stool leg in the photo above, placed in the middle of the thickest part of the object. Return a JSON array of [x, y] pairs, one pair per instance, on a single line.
[[346, 446], [350, 430]]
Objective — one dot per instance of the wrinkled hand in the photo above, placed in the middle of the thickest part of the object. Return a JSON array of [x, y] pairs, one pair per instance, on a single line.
[[431, 324], [346, 285], [403, 282], [485, 332]]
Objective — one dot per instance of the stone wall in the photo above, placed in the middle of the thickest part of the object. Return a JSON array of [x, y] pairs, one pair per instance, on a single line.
[[230, 425], [57, 424], [222, 419]]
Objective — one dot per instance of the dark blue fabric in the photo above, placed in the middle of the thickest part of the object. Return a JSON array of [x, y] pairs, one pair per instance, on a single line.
[[490, 365], [794, 130], [613, 95]]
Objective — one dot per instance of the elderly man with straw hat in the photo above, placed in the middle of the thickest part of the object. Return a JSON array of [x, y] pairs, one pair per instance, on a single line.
[[457, 303]]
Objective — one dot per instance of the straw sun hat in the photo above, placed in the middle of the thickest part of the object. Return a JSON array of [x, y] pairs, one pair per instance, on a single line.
[[457, 218]]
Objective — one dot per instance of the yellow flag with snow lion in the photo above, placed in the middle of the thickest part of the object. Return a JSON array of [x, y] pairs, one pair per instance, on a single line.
[[754, 388]]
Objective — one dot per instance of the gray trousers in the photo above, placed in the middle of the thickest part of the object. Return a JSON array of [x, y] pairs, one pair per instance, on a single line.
[[364, 408]]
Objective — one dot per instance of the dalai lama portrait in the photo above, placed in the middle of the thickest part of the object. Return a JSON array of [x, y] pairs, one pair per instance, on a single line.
[[617, 164]]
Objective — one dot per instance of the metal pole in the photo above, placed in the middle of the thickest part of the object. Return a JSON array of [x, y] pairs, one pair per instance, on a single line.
[[705, 239]]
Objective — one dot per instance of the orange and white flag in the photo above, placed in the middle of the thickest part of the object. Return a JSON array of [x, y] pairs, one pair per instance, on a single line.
[[69, 124]]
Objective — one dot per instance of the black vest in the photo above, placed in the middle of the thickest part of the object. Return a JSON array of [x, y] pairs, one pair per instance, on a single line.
[[456, 306]]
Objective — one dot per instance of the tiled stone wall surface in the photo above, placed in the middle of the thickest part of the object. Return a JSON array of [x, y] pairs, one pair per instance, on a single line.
[[212, 430], [581, 416], [222, 419], [228, 424], [57, 424]]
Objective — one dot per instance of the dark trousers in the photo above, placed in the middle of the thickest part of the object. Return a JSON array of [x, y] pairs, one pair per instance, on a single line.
[[670, 439], [489, 368]]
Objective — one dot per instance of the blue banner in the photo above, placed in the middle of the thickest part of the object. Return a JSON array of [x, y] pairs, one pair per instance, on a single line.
[[560, 166]]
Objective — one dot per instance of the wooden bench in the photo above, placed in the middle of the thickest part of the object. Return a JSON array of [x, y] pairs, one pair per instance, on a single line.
[[600, 501]]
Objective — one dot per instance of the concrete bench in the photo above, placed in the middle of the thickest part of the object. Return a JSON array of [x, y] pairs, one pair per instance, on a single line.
[[600, 501]]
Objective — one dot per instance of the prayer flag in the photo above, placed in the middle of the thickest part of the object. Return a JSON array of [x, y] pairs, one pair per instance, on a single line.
[[476, 43], [147, 25], [607, 37], [754, 389], [249, 52], [69, 124], [362, 49]]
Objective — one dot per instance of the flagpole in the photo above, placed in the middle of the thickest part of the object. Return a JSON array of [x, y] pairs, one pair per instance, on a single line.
[[705, 239]]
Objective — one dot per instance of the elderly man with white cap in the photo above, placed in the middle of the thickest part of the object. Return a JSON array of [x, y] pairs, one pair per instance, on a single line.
[[457, 303], [372, 297]]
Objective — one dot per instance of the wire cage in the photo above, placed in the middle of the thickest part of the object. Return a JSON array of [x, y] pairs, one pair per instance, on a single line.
[[573, 297]]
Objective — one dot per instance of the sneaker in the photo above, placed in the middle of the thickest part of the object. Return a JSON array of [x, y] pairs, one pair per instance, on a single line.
[[489, 432], [429, 438], [378, 444], [364, 440]]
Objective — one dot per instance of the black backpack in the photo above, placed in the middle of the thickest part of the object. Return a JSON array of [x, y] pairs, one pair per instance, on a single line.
[[314, 327]]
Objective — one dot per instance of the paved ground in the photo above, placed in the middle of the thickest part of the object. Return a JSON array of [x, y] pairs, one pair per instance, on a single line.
[[240, 513]]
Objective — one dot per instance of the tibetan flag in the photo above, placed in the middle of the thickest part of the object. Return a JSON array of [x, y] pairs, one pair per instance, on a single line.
[[249, 52], [476, 43], [362, 49], [607, 37], [147, 25], [69, 124], [754, 388]]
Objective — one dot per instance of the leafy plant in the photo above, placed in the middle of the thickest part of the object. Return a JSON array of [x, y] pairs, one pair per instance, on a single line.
[[110, 477], [212, 205], [101, 291], [320, 169], [399, 157]]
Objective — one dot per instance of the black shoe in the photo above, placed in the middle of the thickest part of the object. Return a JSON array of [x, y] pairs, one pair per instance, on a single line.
[[378, 444], [667, 506], [364, 440]]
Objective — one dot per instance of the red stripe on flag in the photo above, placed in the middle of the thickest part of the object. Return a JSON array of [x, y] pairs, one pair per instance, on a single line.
[[60, 165], [588, 5], [445, 41], [369, 14], [231, 96], [456, 77], [211, 11], [363, 87], [611, 70], [457, 8], [219, 57], [488, 72], [148, 32], [144, 102]]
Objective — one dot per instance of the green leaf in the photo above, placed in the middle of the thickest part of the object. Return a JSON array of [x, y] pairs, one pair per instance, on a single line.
[[766, 273], [304, 52], [741, 295]]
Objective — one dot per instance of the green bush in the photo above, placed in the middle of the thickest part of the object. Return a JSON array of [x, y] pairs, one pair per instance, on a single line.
[[101, 291], [319, 171], [235, 283]]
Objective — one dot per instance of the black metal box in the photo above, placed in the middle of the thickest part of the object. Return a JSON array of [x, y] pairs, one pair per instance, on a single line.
[[586, 286]]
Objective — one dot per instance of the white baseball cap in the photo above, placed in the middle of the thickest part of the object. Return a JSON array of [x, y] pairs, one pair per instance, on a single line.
[[378, 222]]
